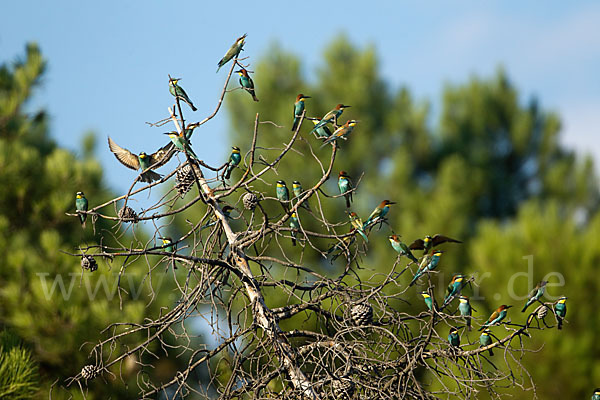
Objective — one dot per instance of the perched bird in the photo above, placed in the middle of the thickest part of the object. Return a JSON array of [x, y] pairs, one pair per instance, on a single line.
[[81, 204], [345, 186], [401, 248], [322, 132], [496, 316], [298, 110], [177, 91], [247, 83], [378, 214], [535, 294], [342, 132], [169, 247], [596, 394], [143, 161], [464, 307], [428, 264], [342, 246], [295, 225], [454, 288], [297, 190], [428, 300], [233, 51], [283, 194], [234, 159], [357, 223], [429, 242], [182, 144], [190, 129], [168, 243], [330, 117], [453, 337], [485, 340], [560, 309]]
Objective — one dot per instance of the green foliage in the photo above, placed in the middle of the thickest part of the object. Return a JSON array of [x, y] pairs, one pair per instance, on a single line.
[[18, 370], [491, 172]]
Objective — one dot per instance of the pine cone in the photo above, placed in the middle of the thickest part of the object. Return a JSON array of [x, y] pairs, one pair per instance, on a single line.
[[343, 388], [250, 201], [184, 178], [127, 213], [88, 262], [89, 372], [362, 314]]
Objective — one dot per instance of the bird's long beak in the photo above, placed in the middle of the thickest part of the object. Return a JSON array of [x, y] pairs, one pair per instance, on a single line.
[[392, 202]]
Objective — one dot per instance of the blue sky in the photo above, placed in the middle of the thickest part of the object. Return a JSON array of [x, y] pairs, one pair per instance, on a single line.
[[108, 61]]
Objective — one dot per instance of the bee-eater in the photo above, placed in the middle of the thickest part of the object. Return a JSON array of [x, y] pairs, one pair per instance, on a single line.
[[233, 51], [496, 316], [295, 225], [169, 247], [485, 339], [343, 245], [429, 242], [535, 294], [283, 195], [342, 132], [401, 248], [453, 337], [378, 214], [168, 243], [143, 161], [247, 83], [182, 144], [81, 204], [428, 264], [428, 300], [190, 129], [357, 223], [560, 310], [177, 91], [454, 288], [596, 394], [298, 110], [331, 116], [322, 132], [297, 190], [345, 186], [234, 159], [464, 307]]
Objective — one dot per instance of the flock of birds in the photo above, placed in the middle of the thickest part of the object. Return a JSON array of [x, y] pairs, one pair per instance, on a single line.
[[431, 255]]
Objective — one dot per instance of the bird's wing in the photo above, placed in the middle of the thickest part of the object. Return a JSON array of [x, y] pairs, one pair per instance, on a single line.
[[404, 247], [162, 155], [439, 239], [494, 315], [124, 156], [328, 116], [417, 245]]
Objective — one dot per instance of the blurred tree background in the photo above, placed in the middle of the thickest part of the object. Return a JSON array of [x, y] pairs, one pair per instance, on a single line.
[[45, 300], [491, 171]]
